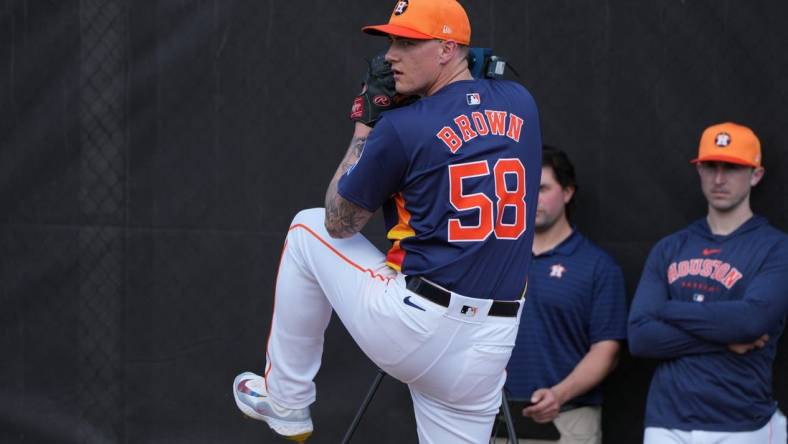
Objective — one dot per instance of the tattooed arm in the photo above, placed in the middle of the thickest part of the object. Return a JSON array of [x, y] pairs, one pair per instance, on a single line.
[[344, 219]]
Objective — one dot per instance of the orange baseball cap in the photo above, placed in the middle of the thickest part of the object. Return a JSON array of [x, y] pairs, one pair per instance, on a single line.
[[729, 142], [426, 20]]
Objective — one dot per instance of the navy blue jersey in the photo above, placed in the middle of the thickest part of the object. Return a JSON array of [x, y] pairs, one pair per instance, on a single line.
[[700, 292], [457, 174], [576, 297]]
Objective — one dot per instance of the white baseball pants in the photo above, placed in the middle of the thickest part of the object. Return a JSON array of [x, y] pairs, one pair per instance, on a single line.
[[452, 359], [774, 432]]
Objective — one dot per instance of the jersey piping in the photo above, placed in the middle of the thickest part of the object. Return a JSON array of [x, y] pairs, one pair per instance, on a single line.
[[402, 230]]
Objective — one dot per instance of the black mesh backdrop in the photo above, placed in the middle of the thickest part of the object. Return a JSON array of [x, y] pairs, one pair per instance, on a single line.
[[152, 154], [102, 198]]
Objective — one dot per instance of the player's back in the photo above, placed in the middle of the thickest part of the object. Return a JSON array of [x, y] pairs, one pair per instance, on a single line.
[[464, 216]]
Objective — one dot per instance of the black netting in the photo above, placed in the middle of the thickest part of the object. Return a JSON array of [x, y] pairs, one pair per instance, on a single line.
[[102, 202]]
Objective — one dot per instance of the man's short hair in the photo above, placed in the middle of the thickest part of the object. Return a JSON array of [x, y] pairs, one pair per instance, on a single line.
[[563, 170]]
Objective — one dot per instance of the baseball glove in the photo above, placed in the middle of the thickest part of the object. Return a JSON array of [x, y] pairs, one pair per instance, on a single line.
[[377, 93]]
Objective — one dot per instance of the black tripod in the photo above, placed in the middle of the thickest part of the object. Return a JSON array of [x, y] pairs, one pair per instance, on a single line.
[[507, 413]]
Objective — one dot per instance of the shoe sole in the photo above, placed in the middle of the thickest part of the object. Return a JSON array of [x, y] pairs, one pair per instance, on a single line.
[[281, 428]]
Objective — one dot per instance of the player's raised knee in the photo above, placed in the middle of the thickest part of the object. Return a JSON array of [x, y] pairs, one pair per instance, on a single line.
[[336, 229], [312, 218]]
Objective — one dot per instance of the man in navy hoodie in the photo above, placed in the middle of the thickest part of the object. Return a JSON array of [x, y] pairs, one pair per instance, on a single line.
[[711, 306]]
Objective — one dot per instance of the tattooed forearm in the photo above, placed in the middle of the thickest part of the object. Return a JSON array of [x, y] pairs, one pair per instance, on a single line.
[[344, 219]]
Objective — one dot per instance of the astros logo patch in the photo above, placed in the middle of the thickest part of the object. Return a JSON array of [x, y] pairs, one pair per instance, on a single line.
[[401, 7], [557, 270], [722, 140]]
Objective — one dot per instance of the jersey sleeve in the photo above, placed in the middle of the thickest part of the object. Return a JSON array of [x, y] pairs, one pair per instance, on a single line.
[[647, 335], [609, 310], [762, 309], [379, 171]]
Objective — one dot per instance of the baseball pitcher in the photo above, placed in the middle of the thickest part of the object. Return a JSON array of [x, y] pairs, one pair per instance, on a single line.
[[456, 174]]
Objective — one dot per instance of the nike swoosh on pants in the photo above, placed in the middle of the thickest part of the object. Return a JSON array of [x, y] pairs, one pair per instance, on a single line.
[[407, 301]]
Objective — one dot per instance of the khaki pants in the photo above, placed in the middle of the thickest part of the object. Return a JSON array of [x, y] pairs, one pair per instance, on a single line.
[[578, 426]]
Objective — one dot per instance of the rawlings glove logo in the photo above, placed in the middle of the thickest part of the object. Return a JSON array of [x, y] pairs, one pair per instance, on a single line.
[[381, 101], [378, 93]]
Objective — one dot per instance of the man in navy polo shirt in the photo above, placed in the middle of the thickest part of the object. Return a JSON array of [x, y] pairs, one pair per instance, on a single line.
[[573, 319]]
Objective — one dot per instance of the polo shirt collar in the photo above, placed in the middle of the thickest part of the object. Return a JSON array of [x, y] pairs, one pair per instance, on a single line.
[[566, 247]]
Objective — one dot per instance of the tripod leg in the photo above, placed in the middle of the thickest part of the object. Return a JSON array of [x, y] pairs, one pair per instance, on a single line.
[[370, 394], [507, 416]]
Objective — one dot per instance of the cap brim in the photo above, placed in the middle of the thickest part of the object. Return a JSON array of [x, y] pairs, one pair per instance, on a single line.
[[727, 159], [399, 31]]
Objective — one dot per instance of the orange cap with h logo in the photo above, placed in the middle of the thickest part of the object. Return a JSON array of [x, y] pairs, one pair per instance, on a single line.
[[729, 142], [426, 20]]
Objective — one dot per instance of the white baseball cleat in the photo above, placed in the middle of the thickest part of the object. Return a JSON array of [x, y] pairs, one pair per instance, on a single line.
[[252, 398]]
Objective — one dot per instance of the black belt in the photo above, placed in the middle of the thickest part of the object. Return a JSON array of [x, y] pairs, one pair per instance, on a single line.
[[442, 297]]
